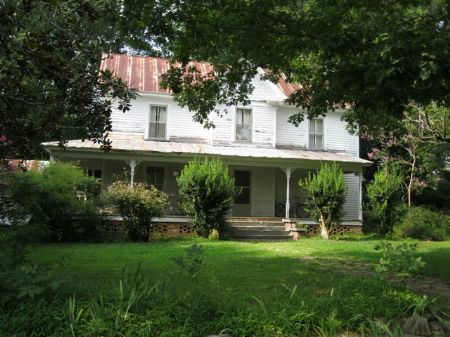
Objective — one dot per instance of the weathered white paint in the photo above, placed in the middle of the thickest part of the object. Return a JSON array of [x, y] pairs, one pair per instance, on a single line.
[[288, 196], [352, 197], [336, 135], [287, 133]]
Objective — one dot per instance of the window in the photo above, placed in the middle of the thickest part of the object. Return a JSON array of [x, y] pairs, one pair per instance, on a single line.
[[242, 180], [244, 125], [316, 133], [93, 173], [155, 177], [157, 124]]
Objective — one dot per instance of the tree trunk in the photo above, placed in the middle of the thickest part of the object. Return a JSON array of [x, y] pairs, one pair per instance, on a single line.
[[411, 181], [323, 228]]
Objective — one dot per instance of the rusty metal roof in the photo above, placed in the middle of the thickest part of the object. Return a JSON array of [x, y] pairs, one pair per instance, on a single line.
[[137, 143], [143, 73]]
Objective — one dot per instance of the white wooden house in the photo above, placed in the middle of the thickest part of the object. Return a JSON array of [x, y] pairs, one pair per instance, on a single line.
[[266, 154]]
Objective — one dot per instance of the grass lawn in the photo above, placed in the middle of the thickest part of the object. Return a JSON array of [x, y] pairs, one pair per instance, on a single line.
[[253, 289], [240, 266]]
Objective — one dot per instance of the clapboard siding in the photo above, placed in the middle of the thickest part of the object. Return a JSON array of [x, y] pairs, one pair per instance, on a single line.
[[263, 192], [336, 135], [263, 124], [289, 134], [351, 205], [179, 120]]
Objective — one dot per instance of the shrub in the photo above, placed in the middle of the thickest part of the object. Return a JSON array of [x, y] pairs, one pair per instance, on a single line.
[[206, 192], [399, 259], [137, 204], [385, 199], [59, 198], [325, 196], [424, 224]]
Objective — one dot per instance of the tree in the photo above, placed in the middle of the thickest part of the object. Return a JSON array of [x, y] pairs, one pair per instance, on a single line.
[[417, 146], [50, 84], [325, 196], [375, 57], [386, 198], [138, 205], [206, 192]]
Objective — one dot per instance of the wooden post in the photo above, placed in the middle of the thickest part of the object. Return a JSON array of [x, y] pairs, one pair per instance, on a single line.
[[288, 179], [132, 164]]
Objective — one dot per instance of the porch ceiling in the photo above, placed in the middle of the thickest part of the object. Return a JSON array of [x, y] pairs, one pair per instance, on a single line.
[[137, 144]]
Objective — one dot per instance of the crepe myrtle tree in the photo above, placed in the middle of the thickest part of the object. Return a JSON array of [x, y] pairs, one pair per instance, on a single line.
[[206, 192], [325, 196]]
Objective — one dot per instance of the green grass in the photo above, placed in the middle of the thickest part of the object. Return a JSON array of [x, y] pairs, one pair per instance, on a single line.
[[253, 289], [240, 266]]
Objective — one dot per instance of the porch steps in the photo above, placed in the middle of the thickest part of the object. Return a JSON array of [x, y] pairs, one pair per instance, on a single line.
[[255, 229]]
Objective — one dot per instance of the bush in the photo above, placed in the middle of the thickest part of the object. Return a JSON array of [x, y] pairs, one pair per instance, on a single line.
[[137, 204], [60, 198], [385, 199], [325, 196], [424, 224], [206, 192]]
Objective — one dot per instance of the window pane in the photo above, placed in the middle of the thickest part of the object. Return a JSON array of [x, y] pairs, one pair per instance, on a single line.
[[157, 127], [243, 124], [319, 142], [319, 126], [312, 126], [242, 178], [155, 177], [312, 141]]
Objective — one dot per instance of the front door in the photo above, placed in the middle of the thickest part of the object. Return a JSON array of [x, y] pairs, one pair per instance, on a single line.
[[242, 203]]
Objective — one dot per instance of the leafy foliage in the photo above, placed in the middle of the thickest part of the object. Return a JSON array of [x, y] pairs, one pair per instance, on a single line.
[[385, 199], [378, 57], [61, 198], [138, 204], [424, 224], [50, 84], [325, 196], [399, 259], [206, 192]]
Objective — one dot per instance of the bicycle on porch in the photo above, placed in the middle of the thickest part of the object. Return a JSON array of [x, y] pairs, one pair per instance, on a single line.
[[297, 209]]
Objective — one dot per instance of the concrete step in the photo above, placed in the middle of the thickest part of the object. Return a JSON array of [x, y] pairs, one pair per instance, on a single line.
[[247, 218], [257, 237], [257, 228], [255, 223], [259, 232]]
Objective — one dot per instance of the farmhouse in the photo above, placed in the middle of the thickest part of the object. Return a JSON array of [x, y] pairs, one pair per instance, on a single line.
[[266, 155]]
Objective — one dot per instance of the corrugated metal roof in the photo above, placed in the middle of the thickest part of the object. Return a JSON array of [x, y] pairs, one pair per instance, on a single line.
[[136, 143], [143, 73]]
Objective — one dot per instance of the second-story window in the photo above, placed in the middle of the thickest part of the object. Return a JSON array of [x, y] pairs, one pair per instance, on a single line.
[[316, 133], [157, 124], [244, 125]]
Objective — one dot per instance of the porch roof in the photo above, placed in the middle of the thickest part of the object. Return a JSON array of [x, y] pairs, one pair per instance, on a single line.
[[137, 144]]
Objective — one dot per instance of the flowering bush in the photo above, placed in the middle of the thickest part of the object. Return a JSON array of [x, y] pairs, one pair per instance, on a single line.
[[137, 204]]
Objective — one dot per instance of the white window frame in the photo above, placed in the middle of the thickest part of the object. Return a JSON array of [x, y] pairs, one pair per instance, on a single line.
[[316, 134], [147, 129], [251, 124]]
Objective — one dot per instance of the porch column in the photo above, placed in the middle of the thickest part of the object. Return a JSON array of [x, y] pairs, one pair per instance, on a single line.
[[288, 171], [132, 164]]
